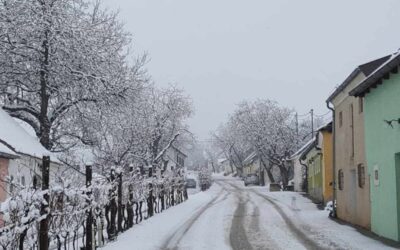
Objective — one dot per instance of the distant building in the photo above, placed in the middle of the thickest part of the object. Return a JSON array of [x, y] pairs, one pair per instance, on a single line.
[[381, 95], [317, 156], [299, 169], [224, 165], [251, 164], [351, 173], [175, 159], [20, 157]]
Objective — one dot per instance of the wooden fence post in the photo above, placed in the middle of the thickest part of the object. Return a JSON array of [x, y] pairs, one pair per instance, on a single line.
[[113, 209], [129, 207], [150, 202], [44, 210], [120, 211], [89, 219]]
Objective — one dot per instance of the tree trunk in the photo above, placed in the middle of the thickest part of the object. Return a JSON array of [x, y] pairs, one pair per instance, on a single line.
[[45, 126], [120, 208], [44, 223], [269, 173], [140, 210], [150, 202], [284, 175]]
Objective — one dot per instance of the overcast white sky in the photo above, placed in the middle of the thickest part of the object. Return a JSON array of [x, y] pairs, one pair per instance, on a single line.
[[224, 51]]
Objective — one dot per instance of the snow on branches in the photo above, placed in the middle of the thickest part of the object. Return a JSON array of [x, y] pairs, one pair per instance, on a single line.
[[57, 56], [265, 128]]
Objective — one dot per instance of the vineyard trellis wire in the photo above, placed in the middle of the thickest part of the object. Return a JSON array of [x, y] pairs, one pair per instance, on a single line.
[[67, 215]]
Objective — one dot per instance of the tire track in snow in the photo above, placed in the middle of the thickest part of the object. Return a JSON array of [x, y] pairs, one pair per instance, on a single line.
[[175, 238], [257, 232], [238, 237], [299, 233]]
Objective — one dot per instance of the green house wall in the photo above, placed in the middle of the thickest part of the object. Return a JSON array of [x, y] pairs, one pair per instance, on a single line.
[[382, 148], [314, 163]]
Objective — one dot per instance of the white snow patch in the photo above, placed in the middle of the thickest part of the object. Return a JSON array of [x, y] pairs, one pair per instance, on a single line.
[[18, 138]]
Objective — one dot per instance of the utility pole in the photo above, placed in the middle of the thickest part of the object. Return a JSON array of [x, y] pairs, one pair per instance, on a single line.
[[312, 123], [297, 124]]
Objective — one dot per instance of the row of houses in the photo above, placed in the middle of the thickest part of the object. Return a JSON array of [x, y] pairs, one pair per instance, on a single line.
[[355, 159]]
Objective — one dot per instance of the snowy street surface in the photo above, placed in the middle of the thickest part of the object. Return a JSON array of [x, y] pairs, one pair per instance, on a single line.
[[232, 216]]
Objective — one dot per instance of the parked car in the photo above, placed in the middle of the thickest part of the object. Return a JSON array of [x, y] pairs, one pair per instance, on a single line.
[[274, 187], [251, 179], [191, 183]]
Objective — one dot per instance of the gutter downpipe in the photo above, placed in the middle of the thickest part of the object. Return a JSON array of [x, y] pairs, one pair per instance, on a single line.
[[306, 168], [334, 215]]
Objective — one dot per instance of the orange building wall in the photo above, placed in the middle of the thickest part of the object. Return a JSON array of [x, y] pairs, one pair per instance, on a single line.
[[3, 185], [328, 165]]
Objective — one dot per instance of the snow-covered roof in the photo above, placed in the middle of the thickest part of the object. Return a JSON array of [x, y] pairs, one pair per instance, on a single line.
[[303, 148], [373, 79], [14, 137], [367, 69], [249, 159], [325, 125], [6, 152], [222, 160]]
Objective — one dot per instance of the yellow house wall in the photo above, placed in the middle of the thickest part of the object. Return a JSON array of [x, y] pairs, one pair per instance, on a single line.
[[327, 152]]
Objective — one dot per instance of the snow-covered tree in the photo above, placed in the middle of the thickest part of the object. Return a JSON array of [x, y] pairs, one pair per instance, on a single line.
[[233, 144], [140, 129], [267, 129], [56, 56]]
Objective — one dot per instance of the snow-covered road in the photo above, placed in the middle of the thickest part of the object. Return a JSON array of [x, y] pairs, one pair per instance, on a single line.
[[231, 216]]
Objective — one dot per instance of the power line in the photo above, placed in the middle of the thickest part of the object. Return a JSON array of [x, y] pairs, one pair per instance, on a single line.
[[319, 116]]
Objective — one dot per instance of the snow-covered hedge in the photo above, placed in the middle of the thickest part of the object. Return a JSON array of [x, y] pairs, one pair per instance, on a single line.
[[130, 194]]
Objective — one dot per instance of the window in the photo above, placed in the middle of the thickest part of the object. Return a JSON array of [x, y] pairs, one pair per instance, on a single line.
[[341, 179], [340, 119], [361, 175], [360, 105]]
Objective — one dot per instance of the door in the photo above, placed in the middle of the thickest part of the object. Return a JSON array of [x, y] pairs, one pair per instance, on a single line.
[[397, 163]]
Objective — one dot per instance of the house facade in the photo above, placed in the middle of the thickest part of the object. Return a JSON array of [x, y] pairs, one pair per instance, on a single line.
[[20, 157], [175, 159], [6, 156], [251, 165], [350, 168], [381, 92], [299, 168], [225, 166], [325, 143], [312, 157], [318, 158]]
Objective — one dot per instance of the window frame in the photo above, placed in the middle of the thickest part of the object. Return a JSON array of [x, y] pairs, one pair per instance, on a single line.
[[361, 175], [340, 179], [360, 105], [340, 119]]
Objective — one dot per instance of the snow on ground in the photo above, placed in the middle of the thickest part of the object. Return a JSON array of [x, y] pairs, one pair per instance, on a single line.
[[156, 232], [316, 223], [232, 216]]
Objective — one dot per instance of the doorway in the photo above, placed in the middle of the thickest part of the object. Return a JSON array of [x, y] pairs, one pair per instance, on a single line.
[[397, 166]]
